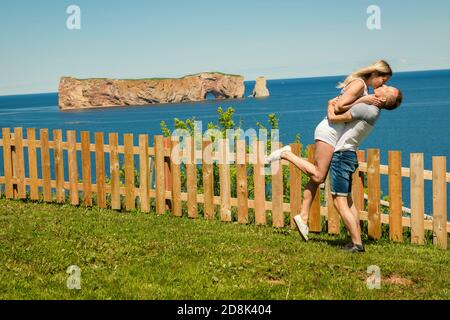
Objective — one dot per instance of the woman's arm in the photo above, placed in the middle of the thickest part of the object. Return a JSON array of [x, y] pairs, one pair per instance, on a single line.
[[350, 96], [336, 118]]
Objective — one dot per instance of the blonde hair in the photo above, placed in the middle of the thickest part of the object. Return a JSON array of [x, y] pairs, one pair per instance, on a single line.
[[381, 67]]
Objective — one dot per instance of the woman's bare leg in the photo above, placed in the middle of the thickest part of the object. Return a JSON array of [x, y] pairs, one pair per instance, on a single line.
[[317, 172], [308, 195]]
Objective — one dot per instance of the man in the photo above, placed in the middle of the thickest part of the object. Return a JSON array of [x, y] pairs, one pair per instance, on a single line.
[[360, 120]]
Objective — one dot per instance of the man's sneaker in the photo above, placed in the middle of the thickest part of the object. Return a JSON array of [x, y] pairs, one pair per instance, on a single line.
[[276, 155], [301, 227], [348, 245], [355, 248]]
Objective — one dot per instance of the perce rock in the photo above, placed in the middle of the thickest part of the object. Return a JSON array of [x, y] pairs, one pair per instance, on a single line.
[[77, 94]]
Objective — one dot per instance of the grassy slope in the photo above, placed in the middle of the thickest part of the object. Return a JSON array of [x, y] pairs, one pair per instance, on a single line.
[[138, 256]]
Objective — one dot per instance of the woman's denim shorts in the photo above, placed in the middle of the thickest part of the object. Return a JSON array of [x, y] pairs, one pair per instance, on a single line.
[[343, 165]]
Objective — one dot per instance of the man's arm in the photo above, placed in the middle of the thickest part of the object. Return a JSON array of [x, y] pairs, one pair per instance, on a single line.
[[337, 118], [370, 99]]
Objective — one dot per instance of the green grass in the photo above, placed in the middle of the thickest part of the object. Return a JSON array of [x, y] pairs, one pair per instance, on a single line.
[[140, 256]]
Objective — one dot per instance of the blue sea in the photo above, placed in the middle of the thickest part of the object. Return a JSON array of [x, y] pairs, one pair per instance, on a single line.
[[421, 124]]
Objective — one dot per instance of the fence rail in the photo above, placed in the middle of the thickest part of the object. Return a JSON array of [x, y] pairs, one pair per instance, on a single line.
[[58, 179]]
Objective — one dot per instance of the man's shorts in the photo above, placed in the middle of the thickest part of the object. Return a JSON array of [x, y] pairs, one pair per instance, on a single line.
[[343, 165]]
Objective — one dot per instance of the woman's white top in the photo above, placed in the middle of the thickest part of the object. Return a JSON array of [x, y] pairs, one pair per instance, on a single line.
[[331, 132]]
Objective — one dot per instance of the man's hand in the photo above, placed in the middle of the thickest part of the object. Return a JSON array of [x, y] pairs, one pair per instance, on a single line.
[[372, 100], [331, 111]]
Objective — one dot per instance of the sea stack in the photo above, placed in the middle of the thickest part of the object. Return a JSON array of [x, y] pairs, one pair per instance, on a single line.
[[78, 94], [260, 90]]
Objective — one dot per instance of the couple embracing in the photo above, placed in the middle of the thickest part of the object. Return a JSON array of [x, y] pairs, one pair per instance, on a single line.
[[350, 118]]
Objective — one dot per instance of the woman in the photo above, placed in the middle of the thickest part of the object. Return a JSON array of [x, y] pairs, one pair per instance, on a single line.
[[354, 91]]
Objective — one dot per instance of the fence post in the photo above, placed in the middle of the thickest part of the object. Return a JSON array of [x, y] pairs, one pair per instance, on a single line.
[[115, 170], [130, 200], [259, 183], [208, 179], [334, 218], [373, 182], [417, 198], [358, 184], [45, 163], [175, 162], [277, 190], [59, 166], [32, 164], [395, 196], [241, 181], [295, 182], [159, 168], [7, 162], [440, 202], [191, 178], [314, 214], [100, 169], [19, 165], [73, 166], [144, 174], [224, 180], [86, 168], [167, 173]]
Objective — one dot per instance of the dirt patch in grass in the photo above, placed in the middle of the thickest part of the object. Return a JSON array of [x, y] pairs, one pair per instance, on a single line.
[[397, 280]]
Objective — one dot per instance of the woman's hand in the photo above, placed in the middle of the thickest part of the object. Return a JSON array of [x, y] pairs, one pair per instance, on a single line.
[[372, 100]]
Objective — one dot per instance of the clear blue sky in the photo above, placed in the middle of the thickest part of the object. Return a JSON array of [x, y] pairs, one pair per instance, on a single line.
[[168, 38]]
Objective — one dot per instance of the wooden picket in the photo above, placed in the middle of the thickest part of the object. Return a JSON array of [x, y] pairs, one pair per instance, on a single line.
[[8, 169], [373, 183], [114, 171], [144, 174], [19, 166], [295, 185], [159, 168], [334, 220], [208, 179], [32, 164], [417, 198], [46, 173], [314, 214], [395, 196], [175, 161], [100, 169], [440, 237], [224, 181], [59, 166], [277, 191], [130, 201], [191, 179], [241, 181], [259, 183], [73, 167]]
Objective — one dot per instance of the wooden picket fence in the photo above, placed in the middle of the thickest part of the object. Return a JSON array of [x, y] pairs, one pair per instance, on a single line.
[[155, 162]]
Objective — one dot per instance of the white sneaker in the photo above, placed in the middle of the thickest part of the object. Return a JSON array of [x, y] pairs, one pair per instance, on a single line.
[[276, 155], [301, 227]]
